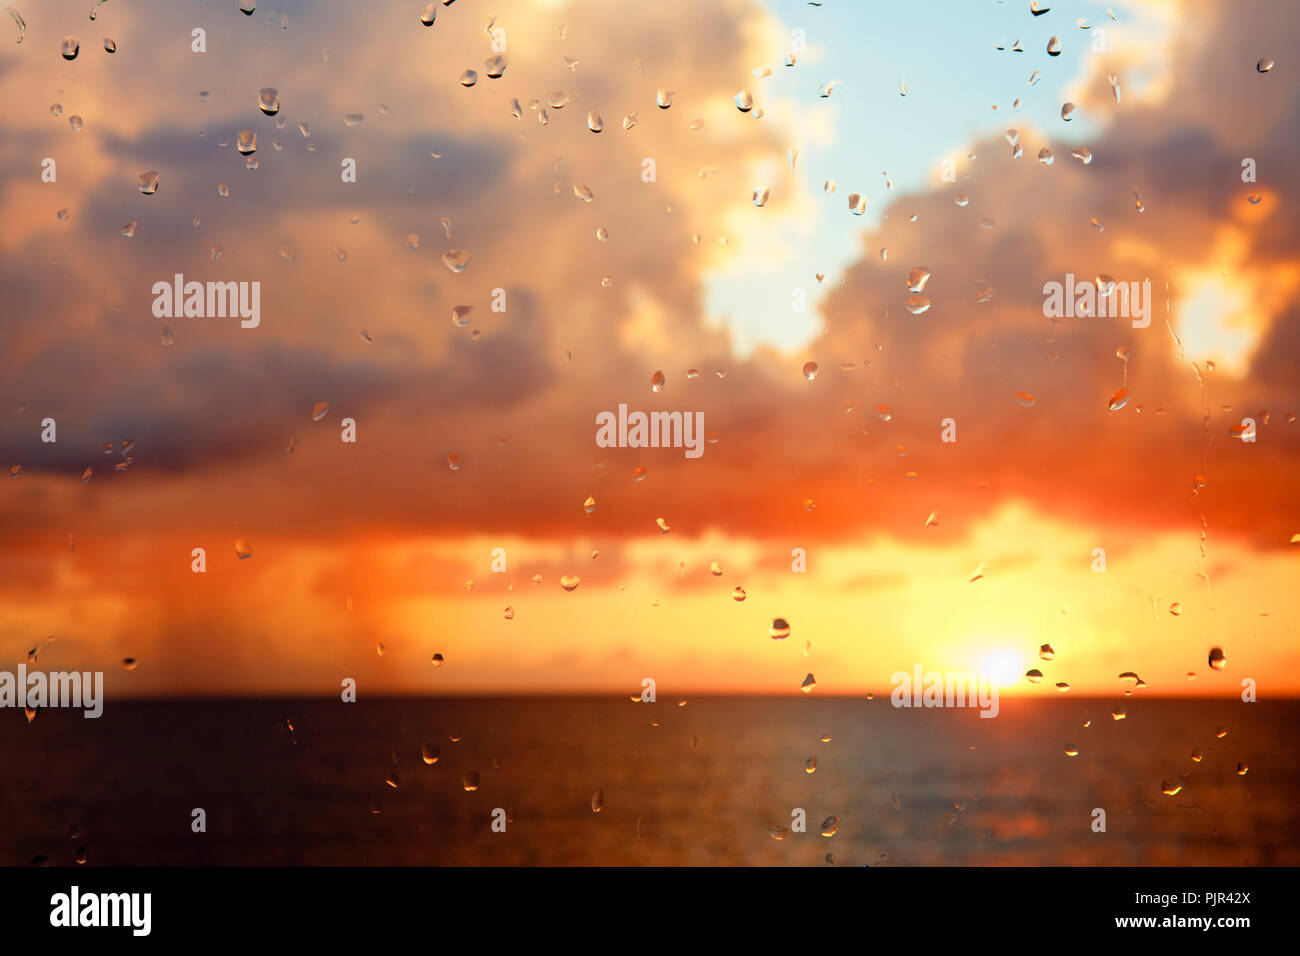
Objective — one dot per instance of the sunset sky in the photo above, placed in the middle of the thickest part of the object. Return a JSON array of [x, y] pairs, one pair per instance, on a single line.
[[357, 545]]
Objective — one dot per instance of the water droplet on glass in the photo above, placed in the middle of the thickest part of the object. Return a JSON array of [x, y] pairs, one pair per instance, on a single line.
[[1119, 400], [1067, 112], [657, 381], [468, 78], [916, 304], [110, 46], [455, 260], [1264, 65], [761, 194], [917, 278], [664, 98], [570, 582], [595, 123], [353, 119], [246, 143], [470, 781], [243, 549], [780, 628], [1034, 676], [1054, 46], [494, 67], [1218, 660], [744, 101], [598, 801], [70, 48], [738, 594], [128, 230]]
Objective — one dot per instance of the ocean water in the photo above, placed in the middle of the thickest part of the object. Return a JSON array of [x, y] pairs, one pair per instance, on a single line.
[[702, 784]]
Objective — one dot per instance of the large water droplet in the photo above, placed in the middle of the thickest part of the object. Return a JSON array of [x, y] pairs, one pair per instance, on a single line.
[[149, 182], [71, 47], [917, 278], [1218, 660], [268, 100], [916, 304], [246, 142], [780, 628], [664, 98]]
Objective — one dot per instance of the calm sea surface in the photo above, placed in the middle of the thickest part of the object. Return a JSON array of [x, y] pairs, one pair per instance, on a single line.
[[701, 784]]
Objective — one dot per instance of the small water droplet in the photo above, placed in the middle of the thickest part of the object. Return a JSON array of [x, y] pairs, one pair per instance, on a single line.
[[1218, 660], [780, 628], [243, 549], [664, 98], [1264, 65], [71, 47]]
